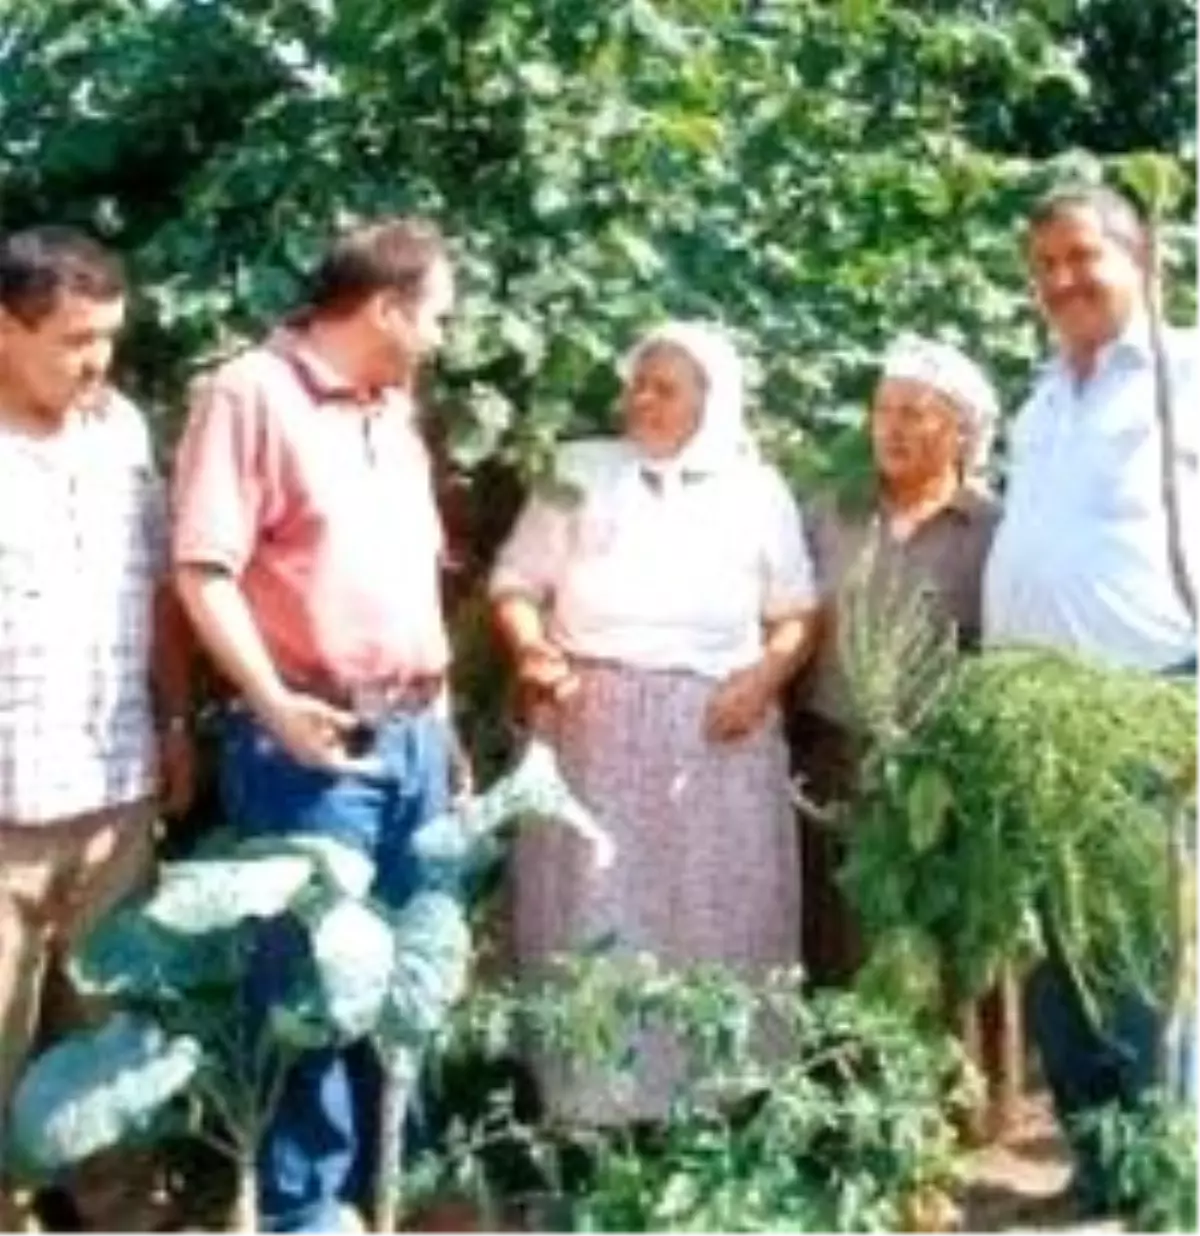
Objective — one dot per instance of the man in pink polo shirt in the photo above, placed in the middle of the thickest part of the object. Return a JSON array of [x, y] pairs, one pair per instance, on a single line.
[[306, 547]]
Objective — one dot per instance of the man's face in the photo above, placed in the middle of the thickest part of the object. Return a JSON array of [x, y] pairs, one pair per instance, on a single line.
[[1086, 280], [413, 330], [62, 360]]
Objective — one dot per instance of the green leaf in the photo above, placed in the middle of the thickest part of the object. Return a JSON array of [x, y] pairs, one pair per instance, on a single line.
[[458, 844], [96, 1089], [220, 894], [343, 867], [928, 802], [535, 788], [129, 955], [1158, 181], [339, 991], [432, 950]]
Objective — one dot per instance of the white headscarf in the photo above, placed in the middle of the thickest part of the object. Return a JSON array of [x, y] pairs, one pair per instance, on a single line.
[[955, 376], [722, 437]]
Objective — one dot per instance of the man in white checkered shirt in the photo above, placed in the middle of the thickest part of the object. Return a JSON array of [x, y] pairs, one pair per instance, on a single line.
[[86, 632]]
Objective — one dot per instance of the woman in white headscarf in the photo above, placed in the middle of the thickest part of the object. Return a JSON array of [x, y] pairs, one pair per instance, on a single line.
[[655, 604]]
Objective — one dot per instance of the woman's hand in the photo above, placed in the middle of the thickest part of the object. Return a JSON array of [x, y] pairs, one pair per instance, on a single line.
[[545, 675], [740, 704]]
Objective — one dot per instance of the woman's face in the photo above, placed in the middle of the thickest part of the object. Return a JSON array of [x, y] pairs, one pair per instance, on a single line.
[[915, 433], [663, 401]]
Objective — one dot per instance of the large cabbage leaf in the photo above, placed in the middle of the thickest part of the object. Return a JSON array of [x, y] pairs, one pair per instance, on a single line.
[[130, 955], [535, 787], [342, 984], [205, 895], [96, 1089], [460, 843], [432, 952], [342, 867]]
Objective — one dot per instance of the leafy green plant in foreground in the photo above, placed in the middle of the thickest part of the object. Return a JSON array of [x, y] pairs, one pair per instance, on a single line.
[[173, 965], [794, 1112], [1034, 789], [1149, 1158]]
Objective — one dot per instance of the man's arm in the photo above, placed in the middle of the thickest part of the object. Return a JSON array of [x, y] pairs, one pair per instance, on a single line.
[[172, 659], [312, 731]]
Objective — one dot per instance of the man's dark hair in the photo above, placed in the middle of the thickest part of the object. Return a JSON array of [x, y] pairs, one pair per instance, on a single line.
[[39, 264], [1119, 217], [393, 254]]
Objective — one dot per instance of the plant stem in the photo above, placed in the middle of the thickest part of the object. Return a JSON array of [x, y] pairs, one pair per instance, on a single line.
[[245, 1210], [399, 1073]]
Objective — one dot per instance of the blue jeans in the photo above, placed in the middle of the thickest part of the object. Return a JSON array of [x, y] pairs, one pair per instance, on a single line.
[[310, 1157], [1088, 1067]]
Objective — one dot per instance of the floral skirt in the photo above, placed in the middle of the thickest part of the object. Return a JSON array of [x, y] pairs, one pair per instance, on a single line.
[[706, 868]]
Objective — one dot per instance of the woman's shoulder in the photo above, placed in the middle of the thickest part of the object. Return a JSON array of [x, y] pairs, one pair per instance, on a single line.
[[981, 507], [583, 467], [586, 461]]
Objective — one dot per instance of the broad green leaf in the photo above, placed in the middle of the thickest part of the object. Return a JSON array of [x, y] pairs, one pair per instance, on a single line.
[[341, 988], [433, 950], [220, 894], [132, 956], [345, 867], [460, 843], [96, 1089], [535, 788], [1158, 180]]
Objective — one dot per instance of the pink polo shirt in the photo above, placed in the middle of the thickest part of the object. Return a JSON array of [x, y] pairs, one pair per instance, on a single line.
[[321, 504]]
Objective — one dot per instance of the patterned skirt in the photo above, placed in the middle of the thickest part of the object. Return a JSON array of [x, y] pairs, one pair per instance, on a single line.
[[707, 868]]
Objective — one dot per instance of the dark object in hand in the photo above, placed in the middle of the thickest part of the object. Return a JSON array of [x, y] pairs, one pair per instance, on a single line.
[[360, 739]]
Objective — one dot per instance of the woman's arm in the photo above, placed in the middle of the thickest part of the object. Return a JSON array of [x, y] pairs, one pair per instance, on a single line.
[[741, 703], [543, 670], [790, 617]]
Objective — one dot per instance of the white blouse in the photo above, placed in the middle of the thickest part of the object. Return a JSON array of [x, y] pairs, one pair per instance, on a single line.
[[658, 568]]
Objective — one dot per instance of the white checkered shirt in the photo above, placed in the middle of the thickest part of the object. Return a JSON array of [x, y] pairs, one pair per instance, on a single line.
[[82, 544]]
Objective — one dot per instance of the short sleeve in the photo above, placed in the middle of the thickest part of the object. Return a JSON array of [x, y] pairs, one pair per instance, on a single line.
[[531, 560], [788, 577], [821, 538], [221, 476]]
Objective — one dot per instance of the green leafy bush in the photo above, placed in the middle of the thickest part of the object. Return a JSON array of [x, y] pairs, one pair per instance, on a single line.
[[797, 1113], [1033, 788]]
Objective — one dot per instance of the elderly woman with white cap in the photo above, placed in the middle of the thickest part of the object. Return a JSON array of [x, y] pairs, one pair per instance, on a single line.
[[657, 611], [928, 524], [928, 520]]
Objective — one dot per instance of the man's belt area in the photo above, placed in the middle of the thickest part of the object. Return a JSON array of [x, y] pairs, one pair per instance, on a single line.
[[374, 700]]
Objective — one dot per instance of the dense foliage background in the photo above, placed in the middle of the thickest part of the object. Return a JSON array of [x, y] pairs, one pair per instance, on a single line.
[[818, 173]]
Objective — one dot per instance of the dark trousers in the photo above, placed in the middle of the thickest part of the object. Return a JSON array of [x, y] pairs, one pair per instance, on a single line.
[[1087, 1066]]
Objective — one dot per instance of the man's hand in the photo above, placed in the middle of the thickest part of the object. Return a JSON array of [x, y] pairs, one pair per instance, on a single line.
[[313, 732], [176, 771], [739, 705]]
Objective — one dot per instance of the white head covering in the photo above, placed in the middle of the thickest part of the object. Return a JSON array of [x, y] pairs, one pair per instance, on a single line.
[[721, 437], [954, 375]]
